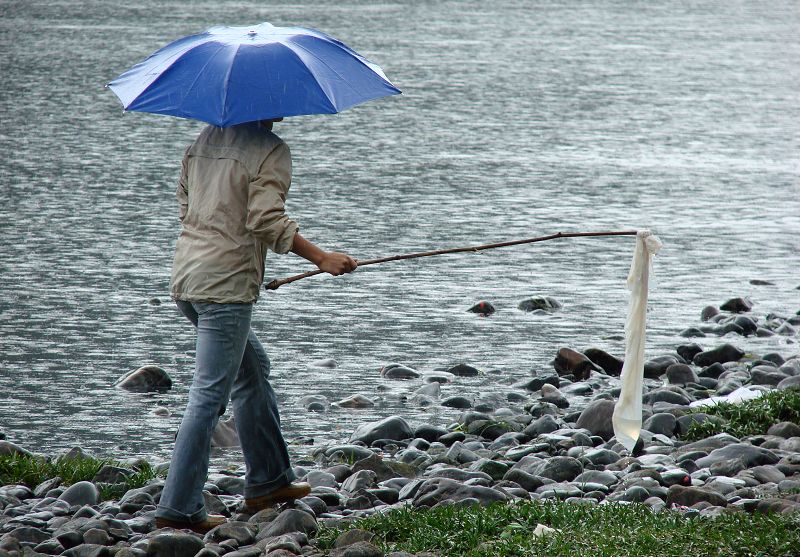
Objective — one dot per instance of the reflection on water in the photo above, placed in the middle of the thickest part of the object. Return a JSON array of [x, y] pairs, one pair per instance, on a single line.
[[514, 122]]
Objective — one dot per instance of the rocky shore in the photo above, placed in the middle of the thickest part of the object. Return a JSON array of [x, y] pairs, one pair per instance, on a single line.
[[551, 440]]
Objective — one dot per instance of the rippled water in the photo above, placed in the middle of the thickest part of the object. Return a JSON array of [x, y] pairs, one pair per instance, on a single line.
[[517, 119]]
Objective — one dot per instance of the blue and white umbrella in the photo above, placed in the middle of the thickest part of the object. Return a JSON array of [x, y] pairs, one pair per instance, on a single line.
[[229, 75]]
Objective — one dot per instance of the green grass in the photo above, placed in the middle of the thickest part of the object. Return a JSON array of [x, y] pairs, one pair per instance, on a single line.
[[502, 530], [753, 417], [33, 470]]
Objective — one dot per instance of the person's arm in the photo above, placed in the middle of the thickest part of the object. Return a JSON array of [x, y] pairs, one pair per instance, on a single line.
[[266, 217], [182, 192], [328, 261]]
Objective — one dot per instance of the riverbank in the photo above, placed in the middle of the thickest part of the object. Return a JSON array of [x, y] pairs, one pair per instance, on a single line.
[[542, 474]]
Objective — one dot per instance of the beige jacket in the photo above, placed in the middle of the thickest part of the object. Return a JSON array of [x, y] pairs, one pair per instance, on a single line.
[[233, 186]]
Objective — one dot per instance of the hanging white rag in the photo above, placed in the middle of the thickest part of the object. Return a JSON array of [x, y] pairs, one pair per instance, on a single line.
[[627, 418]]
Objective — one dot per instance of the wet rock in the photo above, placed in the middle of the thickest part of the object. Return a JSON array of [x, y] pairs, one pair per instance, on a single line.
[[747, 324], [721, 354], [393, 427], [750, 455], [572, 362], [242, 532], [350, 452], [766, 375], [436, 490], [688, 496], [457, 402], [290, 520], [536, 383], [328, 363], [315, 403], [688, 351], [175, 544], [713, 371], [440, 377], [543, 424], [708, 312], [483, 308], [737, 305], [146, 379], [789, 383], [656, 367], [225, 434], [463, 370], [358, 549], [81, 493], [672, 395], [610, 364], [596, 417], [9, 448], [785, 429], [780, 506], [692, 332], [557, 468], [354, 401], [662, 424], [430, 432], [399, 371], [29, 535], [680, 374], [552, 395], [90, 550], [541, 303]]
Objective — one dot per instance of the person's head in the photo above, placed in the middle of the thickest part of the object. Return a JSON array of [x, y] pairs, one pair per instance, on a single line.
[[268, 123]]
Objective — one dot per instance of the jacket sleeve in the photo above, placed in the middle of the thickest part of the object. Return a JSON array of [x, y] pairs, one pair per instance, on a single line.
[[266, 219], [182, 191]]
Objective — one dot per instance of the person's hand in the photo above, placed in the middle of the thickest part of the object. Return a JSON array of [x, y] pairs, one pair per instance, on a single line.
[[337, 263]]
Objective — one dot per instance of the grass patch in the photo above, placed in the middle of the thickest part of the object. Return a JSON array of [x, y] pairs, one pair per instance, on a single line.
[[33, 470], [753, 417], [503, 530]]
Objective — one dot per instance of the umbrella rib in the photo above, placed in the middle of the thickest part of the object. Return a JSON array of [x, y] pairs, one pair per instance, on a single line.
[[307, 69], [324, 63], [200, 73], [225, 84]]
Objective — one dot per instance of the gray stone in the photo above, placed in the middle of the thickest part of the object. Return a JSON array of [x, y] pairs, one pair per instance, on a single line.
[[543, 424], [662, 423], [688, 351], [354, 401], [91, 550], [358, 549], [540, 303], [749, 454], [362, 479], [656, 367], [463, 370], [596, 417], [597, 476], [792, 382], [721, 354], [785, 429], [708, 312], [399, 371], [482, 308], [81, 493], [290, 520], [766, 375], [680, 374], [610, 364], [97, 536], [112, 474], [147, 378], [457, 402], [29, 535], [779, 506], [9, 448], [688, 496], [225, 435], [242, 532], [572, 362], [558, 468], [393, 427], [174, 544], [352, 536], [737, 305], [436, 490]]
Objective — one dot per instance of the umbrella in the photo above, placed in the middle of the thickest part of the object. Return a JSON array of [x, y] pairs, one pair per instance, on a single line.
[[229, 75]]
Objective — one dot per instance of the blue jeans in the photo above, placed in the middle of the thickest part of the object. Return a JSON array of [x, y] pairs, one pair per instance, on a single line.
[[230, 364]]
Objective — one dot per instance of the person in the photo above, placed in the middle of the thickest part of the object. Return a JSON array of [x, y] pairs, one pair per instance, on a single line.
[[232, 188]]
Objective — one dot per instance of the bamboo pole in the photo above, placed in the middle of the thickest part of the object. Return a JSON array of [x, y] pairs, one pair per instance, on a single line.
[[277, 283]]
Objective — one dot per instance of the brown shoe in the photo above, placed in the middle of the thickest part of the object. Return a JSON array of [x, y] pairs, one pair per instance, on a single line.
[[211, 522], [289, 492]]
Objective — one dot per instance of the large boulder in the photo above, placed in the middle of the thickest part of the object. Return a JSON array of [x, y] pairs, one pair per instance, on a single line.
[[569, 361], [438, 490], [596, 417], [750, 455], [146, 379], [721, 354], [610, 364], [393, 427]]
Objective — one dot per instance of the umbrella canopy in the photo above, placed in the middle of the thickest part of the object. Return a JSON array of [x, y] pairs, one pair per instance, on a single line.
[[229, 75]]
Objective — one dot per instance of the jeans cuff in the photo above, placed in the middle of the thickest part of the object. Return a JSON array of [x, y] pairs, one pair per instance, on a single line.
[[259, 490], [171, 514]]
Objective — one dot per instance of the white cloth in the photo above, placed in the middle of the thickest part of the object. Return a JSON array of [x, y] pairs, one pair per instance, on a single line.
[[627, 418], [742, 394]]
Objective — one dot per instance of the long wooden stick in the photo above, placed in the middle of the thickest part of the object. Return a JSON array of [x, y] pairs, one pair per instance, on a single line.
[[277, 283]]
